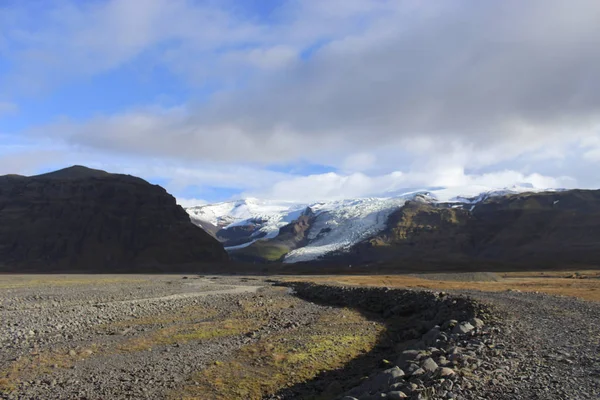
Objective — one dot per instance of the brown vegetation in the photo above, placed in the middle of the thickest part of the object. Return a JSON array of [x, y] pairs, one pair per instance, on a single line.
[[582, 284]]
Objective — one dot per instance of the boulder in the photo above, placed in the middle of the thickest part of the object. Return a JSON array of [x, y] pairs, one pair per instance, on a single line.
[[462, 328]]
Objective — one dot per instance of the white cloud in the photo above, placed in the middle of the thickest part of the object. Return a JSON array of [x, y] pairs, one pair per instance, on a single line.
[[415, 83], [333, 186], [359, 162], [190, 202], [504, 90]]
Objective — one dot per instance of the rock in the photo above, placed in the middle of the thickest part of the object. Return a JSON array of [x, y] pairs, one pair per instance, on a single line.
[[384, 379], [449, 324], [462, 328], [431, 337], [72, 353], [429, 365], [405, 356], [445, 372], [411, 367], [477, 323], [443, 361], [418, 371], [397, 394]]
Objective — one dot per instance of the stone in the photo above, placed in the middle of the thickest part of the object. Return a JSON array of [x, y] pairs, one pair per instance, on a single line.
[[445, 372], [431, 336], [419, 371], [72, 353], [443, 361], [411, 367], [462, 328], [380, 382], [396, 395], [477, 323], [429, 365], [449, 324], [406, 356]]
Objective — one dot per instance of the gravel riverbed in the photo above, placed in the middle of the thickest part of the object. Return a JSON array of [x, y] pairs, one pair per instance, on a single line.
[[144, 336]]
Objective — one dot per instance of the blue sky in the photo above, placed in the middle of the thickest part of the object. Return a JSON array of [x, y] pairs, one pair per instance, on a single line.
[[303, 99]]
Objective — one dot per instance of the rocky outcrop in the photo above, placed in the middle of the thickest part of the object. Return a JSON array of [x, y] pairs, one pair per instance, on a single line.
[[79, 219], [537, 230], [290, 237], [240, 234]]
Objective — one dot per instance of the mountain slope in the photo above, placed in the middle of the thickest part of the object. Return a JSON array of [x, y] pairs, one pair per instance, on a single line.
[[81, 219], [244, 221], [553, 228], [253, 230], [290, 237]]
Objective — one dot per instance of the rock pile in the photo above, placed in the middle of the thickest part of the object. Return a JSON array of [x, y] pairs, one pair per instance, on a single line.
[[443, 348]]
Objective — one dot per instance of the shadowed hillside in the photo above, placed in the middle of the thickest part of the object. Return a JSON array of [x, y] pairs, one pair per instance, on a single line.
[[80, 219]]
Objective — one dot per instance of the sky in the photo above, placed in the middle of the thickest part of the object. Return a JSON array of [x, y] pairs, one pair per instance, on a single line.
[[303, 100]]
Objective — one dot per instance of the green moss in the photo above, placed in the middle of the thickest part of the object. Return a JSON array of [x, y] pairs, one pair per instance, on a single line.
[[283, 360], [262, 251], [191, 332]]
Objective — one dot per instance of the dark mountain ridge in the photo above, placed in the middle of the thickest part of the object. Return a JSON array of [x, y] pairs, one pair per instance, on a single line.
[[86, 220]]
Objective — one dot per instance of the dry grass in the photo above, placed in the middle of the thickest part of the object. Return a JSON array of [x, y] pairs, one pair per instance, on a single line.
[[10, 281], [184, 333], [555, 283], [192, 323], [187, 314], [38, 362], [284, 359]]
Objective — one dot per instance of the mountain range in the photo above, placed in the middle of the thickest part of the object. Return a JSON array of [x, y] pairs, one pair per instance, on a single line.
[[84, 220], [442, 226]]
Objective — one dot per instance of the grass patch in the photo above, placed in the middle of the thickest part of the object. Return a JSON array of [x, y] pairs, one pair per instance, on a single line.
[[185, 325], [36, 363], [183, 315], [262, 250], [190, 332], [31, 281], [285, 359]]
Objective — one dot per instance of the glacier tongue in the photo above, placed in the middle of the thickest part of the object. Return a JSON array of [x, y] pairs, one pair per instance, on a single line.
[[338, 224], [341, 224]]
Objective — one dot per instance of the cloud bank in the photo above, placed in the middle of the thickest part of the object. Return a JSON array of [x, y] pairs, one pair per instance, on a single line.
[[388, 94]]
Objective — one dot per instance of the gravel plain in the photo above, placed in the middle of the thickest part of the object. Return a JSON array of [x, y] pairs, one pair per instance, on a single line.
[[144, 336], [116, 337]]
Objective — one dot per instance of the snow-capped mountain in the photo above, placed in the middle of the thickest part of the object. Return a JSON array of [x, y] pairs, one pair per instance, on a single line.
[[335, 226], [267, 216]]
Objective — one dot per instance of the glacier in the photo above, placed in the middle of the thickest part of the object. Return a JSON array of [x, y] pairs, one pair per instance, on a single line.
[[338, 224]]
